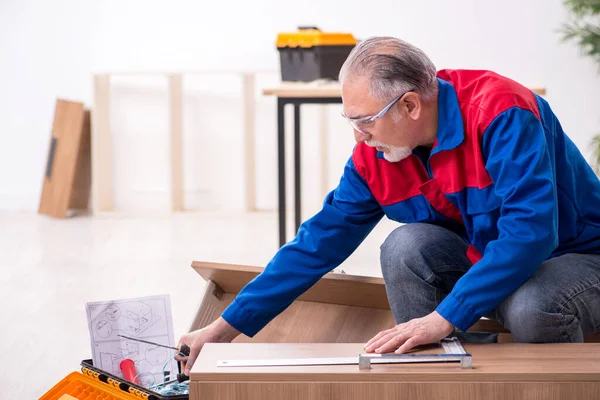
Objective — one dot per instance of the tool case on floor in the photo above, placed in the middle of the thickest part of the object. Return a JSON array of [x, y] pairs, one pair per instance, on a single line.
[[311, 54], [92, 383]]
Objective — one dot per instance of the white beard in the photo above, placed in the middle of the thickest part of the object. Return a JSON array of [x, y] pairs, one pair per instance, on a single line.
[[395, 154]]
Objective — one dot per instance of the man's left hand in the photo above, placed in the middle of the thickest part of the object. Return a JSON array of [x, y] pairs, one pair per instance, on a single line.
[[408, 335]]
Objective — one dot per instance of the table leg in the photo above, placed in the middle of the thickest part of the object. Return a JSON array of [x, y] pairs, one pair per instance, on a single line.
[[102, 153], [281, 168], [297, 198]]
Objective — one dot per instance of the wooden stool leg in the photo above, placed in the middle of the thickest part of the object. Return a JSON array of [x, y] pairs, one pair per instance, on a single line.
[[102, 188], [249, 140], [176, 135]]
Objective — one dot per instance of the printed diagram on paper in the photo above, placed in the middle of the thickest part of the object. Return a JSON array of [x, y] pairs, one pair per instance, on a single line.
[[147, 318]]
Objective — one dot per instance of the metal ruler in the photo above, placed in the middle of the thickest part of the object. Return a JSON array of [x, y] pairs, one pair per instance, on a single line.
[[454, 352]]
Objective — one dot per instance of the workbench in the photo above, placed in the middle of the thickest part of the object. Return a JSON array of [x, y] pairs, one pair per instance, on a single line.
[[336, 316], [500, 371]]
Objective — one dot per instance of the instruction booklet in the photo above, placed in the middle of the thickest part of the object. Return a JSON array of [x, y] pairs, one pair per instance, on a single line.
[[146, 318]]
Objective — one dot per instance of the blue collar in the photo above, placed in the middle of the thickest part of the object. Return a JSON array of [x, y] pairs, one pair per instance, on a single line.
[[450, 132]]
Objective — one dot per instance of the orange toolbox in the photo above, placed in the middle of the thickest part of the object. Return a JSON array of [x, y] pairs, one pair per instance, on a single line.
[[94, 384], [310, 54]]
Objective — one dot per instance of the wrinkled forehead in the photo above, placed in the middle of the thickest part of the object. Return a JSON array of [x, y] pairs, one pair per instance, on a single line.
[[357, 101]]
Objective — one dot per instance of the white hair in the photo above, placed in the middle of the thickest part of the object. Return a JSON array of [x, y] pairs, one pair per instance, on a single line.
[[393, 67]]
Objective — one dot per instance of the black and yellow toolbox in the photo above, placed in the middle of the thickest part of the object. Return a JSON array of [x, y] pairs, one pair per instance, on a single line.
[[92, 383], [310, 54]]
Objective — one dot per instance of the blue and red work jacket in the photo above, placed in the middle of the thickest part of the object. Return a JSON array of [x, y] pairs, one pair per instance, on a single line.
[[502, 174]]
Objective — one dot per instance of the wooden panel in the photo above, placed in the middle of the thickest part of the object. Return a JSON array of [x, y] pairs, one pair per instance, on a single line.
[[102, 168], [510, 362], [261, 391], [211, 306], [63, 153], [338, 308], [309, 322], [333, 288], [394, 390], [301, 89], [302, 322], [82, 185], [466, 390], [176, 137]]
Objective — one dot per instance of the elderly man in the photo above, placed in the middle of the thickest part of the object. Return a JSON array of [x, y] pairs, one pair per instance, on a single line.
[[501, 212]]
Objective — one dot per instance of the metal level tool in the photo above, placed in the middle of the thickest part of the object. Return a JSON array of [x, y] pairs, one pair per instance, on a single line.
[[454, 352]]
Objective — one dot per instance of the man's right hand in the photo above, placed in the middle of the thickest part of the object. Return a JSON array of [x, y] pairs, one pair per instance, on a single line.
[[218, 332]]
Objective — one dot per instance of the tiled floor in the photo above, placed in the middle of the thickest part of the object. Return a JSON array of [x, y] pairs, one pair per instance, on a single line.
[[51, 268]]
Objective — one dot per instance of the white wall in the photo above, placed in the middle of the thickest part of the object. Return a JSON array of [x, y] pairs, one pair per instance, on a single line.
[[50, 49]]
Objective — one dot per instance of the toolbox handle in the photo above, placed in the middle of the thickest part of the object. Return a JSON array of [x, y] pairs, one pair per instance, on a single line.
[[306, 27]]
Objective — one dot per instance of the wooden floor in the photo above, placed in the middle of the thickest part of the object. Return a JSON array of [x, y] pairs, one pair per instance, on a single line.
[[51, 268]]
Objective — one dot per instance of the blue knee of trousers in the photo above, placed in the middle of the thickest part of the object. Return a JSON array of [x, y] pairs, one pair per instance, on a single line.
[[402, 253], [532, 318]]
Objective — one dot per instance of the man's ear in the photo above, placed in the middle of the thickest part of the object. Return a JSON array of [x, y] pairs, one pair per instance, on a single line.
[[411, 105]]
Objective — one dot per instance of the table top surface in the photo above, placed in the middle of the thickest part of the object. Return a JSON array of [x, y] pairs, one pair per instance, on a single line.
[[496, 362], [305, 89], [323, 89]]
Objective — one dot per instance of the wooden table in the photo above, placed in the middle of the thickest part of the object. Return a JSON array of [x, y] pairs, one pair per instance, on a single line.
[[500, 371], [298, 93]]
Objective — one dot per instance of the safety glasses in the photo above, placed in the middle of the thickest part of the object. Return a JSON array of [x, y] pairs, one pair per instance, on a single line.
[[363, 123]]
